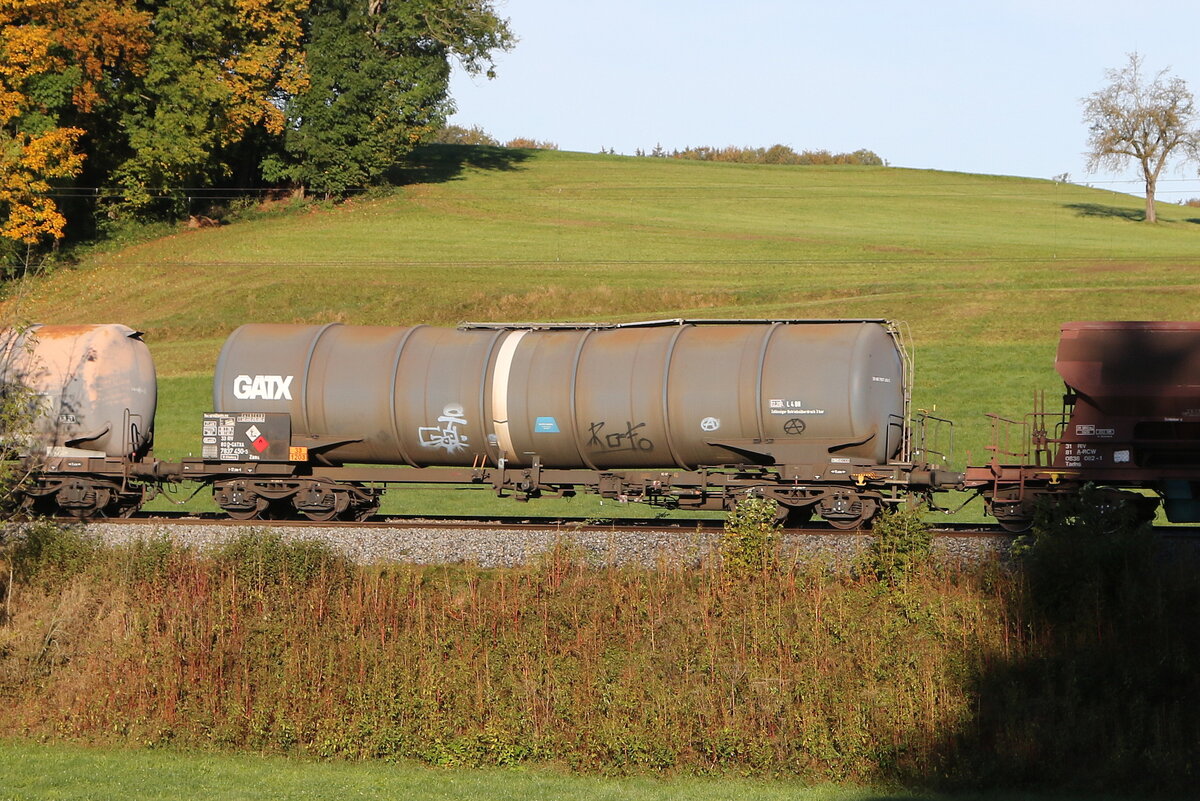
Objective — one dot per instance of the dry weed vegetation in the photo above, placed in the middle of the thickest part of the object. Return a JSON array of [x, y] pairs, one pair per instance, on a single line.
[[902, 672]]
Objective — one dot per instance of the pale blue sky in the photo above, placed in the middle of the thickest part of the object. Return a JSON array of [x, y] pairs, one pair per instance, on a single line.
[[978, 87]]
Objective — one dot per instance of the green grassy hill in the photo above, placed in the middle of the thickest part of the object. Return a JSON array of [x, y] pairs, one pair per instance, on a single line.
[[982, 268]]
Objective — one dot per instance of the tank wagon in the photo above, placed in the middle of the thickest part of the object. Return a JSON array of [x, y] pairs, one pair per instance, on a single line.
[[682, 413], [1130, 419], [91, 393], [315, 421]]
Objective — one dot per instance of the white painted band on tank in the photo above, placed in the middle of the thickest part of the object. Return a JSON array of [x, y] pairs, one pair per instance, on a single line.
[[500, 379]]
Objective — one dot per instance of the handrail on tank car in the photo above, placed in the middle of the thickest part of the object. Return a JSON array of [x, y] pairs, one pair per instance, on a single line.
[[127, 431], [927, 445], [1039, 440], [668, 322], [902, 336]]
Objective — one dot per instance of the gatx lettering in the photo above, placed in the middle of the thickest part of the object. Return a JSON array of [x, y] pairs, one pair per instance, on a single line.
[[263, 387]]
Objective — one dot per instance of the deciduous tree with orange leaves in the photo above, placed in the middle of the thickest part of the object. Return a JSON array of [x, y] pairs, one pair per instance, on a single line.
[[33, 148], [140, 101], [217, 76], [54, 58]]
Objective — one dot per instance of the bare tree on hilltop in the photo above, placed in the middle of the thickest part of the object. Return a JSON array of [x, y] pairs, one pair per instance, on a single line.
[[1146, 122]]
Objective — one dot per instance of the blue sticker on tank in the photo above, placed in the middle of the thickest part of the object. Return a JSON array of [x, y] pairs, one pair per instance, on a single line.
[[545, 425]]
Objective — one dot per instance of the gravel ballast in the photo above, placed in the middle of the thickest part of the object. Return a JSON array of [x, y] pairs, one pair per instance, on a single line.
[[516, 545]]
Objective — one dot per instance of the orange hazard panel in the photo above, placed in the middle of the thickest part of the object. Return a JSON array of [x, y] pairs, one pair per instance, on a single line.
[[296, 454]]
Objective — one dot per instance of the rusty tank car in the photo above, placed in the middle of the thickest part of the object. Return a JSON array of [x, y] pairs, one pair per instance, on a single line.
[[91, 393]]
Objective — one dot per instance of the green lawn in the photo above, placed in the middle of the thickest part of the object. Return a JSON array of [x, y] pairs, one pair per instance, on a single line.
[[30, 772], [983, 269]]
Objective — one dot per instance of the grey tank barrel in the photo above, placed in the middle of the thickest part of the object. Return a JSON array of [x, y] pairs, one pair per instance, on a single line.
[[664, 394], [92, 388]]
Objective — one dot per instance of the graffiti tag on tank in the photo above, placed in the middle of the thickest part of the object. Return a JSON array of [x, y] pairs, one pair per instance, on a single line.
[[446, 436], [617, 440], [795, 427]]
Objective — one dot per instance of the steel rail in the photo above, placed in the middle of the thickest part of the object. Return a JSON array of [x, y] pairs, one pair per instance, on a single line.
[[632, 526]]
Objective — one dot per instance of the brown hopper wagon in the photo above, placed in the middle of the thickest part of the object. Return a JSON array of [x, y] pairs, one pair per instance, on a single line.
[[1130, 420]]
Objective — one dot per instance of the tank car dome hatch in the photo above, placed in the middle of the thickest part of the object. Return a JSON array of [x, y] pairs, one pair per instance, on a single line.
[[660, 394], [92, 388]]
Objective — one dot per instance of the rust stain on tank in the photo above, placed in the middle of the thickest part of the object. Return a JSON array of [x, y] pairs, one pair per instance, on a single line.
[[61, 331], [96, 375]]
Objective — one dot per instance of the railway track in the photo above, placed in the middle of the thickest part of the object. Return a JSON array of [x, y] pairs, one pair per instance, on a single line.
[[557, 524], [491, 522], [942, 529]]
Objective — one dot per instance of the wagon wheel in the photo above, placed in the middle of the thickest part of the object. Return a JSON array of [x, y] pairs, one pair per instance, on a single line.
[[128, 509], [849, 513], [319, 502], [82, 500], [128, 504], [260, 506], [847, 523], [794, 516], [242, 514], [1015, 525]]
